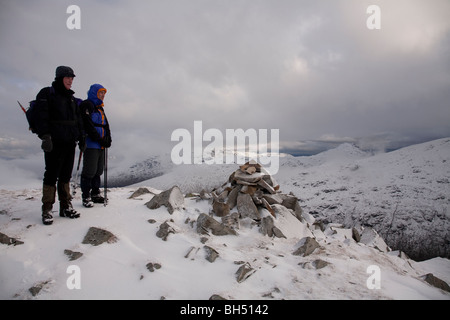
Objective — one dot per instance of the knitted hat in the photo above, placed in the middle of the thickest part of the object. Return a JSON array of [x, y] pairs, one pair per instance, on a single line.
[[63, 71]]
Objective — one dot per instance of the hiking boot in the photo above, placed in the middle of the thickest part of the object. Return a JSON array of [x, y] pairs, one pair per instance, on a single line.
[[98, 199], [87, 202], [47, 218], [69, 213]]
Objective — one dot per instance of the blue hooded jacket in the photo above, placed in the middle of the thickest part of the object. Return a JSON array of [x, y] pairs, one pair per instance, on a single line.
[[93, 94], [97, 117]]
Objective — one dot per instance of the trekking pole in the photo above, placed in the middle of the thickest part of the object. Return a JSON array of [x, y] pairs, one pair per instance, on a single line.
[[105, 177], [76, 175]]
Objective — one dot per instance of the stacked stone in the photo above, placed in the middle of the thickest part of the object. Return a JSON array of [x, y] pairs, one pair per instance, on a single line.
[[250, 189]]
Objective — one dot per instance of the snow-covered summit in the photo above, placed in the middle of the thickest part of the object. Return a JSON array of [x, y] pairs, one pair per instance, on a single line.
[[345, 151], [402, 196], [136, 261]]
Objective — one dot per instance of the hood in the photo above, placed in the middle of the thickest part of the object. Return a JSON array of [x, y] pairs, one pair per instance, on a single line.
[[93, 94]]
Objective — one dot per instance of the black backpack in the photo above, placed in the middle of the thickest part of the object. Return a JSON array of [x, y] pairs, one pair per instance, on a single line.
[[32, 114]]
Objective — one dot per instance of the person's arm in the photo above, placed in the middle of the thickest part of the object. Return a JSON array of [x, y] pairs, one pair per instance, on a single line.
[[89, 127]]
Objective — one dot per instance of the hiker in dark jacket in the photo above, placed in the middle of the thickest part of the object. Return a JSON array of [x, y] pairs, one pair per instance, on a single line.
[[98, 139], [60, 127]]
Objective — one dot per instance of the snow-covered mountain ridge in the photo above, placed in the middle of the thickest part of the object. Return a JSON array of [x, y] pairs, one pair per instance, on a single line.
[[404, 195]]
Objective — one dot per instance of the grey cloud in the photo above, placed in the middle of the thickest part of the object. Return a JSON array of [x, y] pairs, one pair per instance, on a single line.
[[308, 68]]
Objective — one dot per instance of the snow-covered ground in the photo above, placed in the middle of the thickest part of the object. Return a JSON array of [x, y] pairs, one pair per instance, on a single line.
[[119, 270], [345, 177]]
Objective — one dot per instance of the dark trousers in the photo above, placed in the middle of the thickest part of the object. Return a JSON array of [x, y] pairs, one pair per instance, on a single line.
[[93, 164], [58, 168]]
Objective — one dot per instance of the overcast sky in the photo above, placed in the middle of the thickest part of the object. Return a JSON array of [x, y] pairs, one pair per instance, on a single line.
[[311, 68]]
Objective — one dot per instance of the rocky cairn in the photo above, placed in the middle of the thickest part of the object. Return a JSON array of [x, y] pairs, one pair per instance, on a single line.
[[251, 192]]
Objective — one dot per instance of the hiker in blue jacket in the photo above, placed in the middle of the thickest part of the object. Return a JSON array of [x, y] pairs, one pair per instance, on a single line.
[[98, 139]]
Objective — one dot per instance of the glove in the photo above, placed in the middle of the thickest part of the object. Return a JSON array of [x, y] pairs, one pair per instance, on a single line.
[[106, 142], [47, 144], [82, 144]]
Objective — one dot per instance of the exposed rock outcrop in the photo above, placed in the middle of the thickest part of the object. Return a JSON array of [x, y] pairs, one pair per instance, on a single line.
[[173, 199]]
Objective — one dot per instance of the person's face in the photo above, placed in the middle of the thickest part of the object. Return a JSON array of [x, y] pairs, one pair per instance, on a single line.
[[67, 81], [101, 94]]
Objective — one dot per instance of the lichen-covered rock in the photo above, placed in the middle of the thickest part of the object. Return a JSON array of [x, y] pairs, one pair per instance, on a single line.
[[173, 199], [139, 192], [246, 207], [206, 223], [8, 240], [96, 236], [244, 272], [73, 255], [221, 209], [211, 254], [164, 230], [306, 246], [436, 282]]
